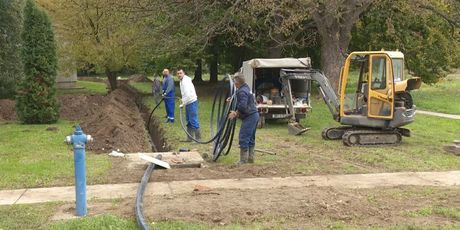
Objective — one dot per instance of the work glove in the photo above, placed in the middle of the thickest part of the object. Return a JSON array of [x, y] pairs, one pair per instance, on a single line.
[[181, 105]]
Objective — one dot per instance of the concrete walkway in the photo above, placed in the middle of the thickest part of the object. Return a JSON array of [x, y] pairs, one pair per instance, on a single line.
[[113, 191], [436, 114]]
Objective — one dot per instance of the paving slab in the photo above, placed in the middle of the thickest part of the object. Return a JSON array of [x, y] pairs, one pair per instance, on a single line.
[[10, 196], [436, 114], [449, 178], [113, 191], [41, 195]]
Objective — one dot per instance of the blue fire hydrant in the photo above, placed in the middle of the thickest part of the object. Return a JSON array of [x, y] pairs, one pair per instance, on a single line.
[[79, 140]]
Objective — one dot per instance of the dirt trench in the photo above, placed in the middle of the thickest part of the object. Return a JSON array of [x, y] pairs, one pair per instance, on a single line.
[[155, 131]]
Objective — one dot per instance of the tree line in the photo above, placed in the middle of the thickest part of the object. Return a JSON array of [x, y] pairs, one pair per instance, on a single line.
[[215, 36]]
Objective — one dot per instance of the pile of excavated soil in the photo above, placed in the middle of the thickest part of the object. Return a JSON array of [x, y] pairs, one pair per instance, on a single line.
[[79, 107], [138, 78], [116, 124], [7, 110], [113, 120]]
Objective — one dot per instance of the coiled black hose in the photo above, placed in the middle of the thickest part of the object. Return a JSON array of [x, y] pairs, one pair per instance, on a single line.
[[222, 135], [222, 128], [140, 196]]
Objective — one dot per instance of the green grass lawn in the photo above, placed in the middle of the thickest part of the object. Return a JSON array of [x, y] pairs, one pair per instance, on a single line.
[[86, 87], [34, 157], [36, 216], [421, 152], [31, 156], [142, 87], [441, 97]]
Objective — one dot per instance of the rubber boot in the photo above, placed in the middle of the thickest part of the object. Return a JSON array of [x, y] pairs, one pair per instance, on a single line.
[[251, 155], [198, 134], [188, 139], [244, 154]]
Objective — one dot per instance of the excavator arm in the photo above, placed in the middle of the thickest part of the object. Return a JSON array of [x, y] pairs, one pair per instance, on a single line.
[[325, 88]]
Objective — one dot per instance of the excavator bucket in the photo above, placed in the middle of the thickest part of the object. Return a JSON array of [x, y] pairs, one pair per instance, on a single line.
[[294, 128]]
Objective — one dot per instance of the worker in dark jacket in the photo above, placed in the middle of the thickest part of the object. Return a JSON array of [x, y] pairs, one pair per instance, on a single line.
[[245, 110], [169, 94]]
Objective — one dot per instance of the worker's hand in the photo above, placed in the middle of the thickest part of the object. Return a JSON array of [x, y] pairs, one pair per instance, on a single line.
[[269, 102], [229, 99], [232, 115], [163, 95]]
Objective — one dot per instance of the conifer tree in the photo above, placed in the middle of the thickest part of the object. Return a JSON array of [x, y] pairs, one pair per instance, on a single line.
[[10, 42], [36, 96]]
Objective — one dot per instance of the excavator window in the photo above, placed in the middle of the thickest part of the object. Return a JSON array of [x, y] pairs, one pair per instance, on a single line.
[[379, 78], [398, 67], [355, 93]]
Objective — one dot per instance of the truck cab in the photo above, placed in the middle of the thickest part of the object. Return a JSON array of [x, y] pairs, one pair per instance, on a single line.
[[263, 77]]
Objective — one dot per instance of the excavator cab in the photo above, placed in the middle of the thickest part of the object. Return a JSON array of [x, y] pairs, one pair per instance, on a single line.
[[367, 87], [370, 91], [373, 100]]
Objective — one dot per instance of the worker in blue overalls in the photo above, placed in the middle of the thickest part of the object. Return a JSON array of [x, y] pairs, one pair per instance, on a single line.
[[245, 110], [169, 95]]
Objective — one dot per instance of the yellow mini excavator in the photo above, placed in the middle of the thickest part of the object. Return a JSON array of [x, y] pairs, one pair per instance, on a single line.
[[373, 100]]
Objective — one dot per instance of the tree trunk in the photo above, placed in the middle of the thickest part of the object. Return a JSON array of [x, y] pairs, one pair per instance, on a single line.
[[213, 65], [112, 76], [332, 59], [275, 50], [335, 33], [198, 71]]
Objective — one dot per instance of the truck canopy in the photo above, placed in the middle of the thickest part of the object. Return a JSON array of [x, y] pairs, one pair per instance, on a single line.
[[280, 63], [248, 66]]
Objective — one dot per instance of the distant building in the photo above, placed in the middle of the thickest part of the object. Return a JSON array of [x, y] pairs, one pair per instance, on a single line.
[[66, 79]]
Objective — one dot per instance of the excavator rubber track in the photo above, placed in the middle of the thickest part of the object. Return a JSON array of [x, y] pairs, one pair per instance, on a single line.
[[367, 137], [335, 133]]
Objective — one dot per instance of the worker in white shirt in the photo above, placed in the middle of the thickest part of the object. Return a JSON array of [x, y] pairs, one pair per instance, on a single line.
[[190, 101]]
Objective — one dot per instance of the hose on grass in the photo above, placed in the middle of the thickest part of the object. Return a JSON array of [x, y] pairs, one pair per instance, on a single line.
[[222, 128], [140, 196]]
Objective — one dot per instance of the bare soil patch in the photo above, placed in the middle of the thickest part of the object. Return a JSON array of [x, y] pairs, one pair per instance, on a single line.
[[7, 110], [300, 208], [124, 172]]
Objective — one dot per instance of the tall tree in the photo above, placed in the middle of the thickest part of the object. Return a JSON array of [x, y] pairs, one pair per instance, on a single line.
[[334, 20], [11, 69], [423, 30], [36, 100], [101, 34]]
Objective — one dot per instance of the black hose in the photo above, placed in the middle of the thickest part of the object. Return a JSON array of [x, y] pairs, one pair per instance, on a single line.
[[223, 135], [140, 196]]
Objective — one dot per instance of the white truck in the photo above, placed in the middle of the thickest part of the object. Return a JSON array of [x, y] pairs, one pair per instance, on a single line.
[[272, 93]]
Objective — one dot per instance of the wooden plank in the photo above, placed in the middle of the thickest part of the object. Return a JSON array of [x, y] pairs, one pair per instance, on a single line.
[[175, 160]]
